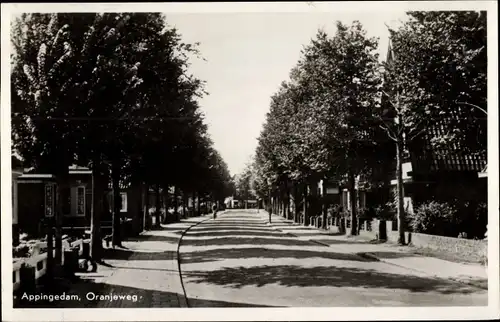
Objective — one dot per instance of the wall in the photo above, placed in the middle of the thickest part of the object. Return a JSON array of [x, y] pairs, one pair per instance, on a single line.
[[473, 249], [465, 247]]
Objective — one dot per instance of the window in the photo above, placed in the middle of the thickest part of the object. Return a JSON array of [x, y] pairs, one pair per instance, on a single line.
[[123, 202], [362, 199], [78, 201], [123, 196], [345, 200], [49, 200]]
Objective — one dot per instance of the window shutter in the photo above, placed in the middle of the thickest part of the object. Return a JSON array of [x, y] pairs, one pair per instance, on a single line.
[[74, 201], [80, 210]]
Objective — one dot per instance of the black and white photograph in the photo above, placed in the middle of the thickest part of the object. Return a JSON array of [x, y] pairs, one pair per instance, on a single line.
[[337, 157]]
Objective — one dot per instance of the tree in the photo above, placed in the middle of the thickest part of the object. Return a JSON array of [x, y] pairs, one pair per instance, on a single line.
[[243, 184], [436, 70], [41, 90], [104, 90], [342, 74]]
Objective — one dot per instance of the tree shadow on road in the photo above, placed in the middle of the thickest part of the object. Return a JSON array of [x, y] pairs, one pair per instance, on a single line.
[[197, 302], [204, 229], [297, 276], [238, 223], [248, 253], [127, 254], [151, 238], [340, 241], [246, 241], [235, 233]]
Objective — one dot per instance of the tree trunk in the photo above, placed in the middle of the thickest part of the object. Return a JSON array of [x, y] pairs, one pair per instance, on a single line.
[[270, 208], [176, 201], [325, 206], [287, 205], [95, 212], [295, 203], [352, 193], [50, 247], [313, 204], [115, 176], [166, 202], [142, 202], [62, 183], [157, 206], [306, 217], [147, 217], [283, 206], [184, 201], [198, 205], [400, 190], [193, 197]]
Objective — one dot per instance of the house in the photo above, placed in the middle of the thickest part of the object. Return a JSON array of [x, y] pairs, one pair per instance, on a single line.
[[231, 202], [451, 173], [36, 201]]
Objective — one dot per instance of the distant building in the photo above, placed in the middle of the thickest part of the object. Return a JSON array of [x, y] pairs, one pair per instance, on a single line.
[[233, 203]]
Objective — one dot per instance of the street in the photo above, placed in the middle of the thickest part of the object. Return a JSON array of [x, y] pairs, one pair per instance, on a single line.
[[238, 260]]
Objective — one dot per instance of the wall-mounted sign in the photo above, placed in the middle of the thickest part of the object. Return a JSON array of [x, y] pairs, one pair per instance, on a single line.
[[49, 200], [332, 191]]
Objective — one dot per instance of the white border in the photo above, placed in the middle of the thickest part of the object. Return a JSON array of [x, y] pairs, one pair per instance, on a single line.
[[382, 313]]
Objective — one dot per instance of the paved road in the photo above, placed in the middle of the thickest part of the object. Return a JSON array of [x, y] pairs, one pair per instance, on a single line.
[[238, 260]]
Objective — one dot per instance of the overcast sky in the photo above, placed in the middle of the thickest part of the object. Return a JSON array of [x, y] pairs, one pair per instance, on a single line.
[[248, 56]]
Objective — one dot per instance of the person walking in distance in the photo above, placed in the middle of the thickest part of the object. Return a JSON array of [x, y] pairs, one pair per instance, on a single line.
[[214, 208]]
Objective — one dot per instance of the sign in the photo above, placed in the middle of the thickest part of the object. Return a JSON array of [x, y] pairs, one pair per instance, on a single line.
[[331, 191], [49, 200]]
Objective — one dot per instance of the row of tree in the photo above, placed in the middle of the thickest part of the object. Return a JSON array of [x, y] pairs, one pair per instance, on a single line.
[[112, 92], [343, 114]]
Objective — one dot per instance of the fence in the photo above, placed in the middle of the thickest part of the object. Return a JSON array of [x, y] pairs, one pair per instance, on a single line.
[[38, 264]]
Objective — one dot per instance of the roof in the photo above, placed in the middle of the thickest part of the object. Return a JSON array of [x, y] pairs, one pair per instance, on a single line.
[[449, 158], [427, 157]]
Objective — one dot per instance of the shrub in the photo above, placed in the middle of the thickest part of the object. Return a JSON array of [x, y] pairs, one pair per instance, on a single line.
[[384, 211], [436, 218], [481, 221], [334, 210], [22, 250]]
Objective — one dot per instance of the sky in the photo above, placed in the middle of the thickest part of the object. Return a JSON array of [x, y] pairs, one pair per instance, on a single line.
[[247, 56]]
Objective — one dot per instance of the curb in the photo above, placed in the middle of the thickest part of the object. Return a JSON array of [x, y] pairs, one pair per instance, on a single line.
[[378, 259], [183, 299], [296, 236]]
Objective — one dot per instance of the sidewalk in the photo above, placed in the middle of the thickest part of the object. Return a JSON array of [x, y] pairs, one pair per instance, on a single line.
[[474, 274], [144, 273]]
